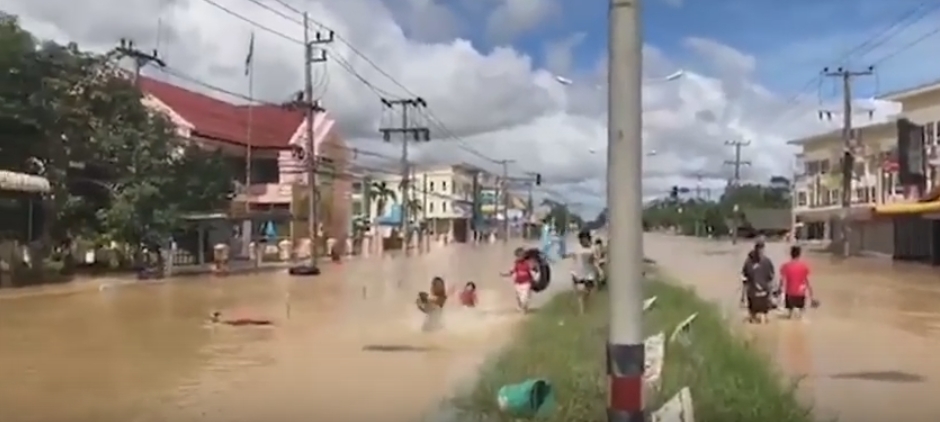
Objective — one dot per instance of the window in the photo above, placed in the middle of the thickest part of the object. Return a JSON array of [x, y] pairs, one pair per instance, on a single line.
[[835, 197], [357, 208], [443, 207], [443, 186], [824, 167], [801, 199], [871, 194], [430, 186], [430, 207], [357, 186], [811, 168], [929, 133]]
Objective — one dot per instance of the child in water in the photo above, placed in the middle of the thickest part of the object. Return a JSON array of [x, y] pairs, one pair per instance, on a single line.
[[435, 299], [468, 297], [522, 277]]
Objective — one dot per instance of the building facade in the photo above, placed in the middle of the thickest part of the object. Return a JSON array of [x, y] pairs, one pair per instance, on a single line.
[[876, 186], [442, 197], [273, 139]]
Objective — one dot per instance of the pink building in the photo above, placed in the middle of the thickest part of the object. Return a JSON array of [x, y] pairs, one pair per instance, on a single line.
[[277, 176]]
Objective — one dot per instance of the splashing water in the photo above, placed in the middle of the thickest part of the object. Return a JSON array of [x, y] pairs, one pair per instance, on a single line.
[[494, 308]]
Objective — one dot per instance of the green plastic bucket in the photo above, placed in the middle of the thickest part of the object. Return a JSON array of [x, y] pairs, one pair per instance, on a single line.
[[527, 399]]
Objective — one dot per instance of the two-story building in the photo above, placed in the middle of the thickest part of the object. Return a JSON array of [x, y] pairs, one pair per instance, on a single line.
[[274, 139], [877, 192], [444, 196]]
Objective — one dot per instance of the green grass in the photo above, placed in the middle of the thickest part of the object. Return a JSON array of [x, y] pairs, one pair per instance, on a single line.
[[729, 379]]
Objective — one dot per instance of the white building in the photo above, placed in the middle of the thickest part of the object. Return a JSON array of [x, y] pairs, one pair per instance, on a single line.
[[444, 195]]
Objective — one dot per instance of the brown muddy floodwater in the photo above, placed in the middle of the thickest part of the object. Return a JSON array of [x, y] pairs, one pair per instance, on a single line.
[[869, 353], [346, 346]]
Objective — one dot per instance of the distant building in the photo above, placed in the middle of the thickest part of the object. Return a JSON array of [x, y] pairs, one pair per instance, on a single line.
[[444, 196]]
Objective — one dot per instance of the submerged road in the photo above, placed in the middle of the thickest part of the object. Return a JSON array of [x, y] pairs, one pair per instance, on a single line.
[[346, 346], [868, 353]]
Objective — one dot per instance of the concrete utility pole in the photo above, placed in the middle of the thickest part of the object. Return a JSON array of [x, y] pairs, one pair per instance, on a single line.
[[424, 212], [737, 163], [127, 49], [625, 351], [848, 147], [313, 107], [502, 191], [408, 133]]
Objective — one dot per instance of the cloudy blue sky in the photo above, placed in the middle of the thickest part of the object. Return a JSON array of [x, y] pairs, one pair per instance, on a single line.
[[487, 69]]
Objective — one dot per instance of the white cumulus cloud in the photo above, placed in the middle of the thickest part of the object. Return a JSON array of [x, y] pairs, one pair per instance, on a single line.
[[499, 102]]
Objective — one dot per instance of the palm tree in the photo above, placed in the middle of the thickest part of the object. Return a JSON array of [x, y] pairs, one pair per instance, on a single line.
[[382, 194]]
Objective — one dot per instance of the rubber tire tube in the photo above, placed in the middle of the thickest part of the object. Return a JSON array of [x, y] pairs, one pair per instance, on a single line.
[[303, 270]]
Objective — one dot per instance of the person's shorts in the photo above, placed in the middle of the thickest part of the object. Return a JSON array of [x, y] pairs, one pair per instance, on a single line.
[[758, 304], [523, 291], [582, 284], [794, 302]]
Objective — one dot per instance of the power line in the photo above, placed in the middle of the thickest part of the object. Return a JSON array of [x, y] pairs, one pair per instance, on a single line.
[[345, 65], [432, 118], [899, 24], [408, 134]]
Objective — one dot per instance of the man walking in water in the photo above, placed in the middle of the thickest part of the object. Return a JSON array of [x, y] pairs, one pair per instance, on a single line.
[[758, 275]]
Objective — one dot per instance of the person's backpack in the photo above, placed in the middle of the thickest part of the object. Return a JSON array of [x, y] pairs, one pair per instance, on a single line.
[[544, 270]]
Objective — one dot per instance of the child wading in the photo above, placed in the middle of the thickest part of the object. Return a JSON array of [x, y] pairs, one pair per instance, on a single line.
[[522, 277], [585, 274], [796, 288]]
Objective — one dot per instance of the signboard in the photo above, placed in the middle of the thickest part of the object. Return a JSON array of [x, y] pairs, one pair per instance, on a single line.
[[911, 153], [488, 201]]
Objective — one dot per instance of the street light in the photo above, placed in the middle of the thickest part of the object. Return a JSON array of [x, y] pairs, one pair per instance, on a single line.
[[651, 153], [668, 78]]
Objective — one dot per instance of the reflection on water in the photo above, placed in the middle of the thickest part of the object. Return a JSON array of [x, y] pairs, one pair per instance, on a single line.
[[146, 352]]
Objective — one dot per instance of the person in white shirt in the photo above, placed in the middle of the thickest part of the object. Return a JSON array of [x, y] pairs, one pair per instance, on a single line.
[[584, 275]]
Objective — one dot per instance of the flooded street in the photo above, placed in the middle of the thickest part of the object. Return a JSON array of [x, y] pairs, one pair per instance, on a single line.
[[346, 345], [868, 353]]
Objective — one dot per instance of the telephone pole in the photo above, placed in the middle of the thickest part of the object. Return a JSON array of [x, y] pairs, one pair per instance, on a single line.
[[625, 350], [409, 133], [312, 54], [127, 49], [503, 192], [848, 146], [737, 163]]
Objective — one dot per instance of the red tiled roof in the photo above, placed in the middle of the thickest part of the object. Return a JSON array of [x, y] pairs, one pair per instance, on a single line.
[[271, 126]]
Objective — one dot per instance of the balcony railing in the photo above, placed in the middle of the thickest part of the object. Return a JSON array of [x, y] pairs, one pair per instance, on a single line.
[[266, 193]]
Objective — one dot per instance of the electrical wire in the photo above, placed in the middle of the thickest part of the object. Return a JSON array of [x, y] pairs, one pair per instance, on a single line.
[[431, 116], [897, 26], [343, 63]]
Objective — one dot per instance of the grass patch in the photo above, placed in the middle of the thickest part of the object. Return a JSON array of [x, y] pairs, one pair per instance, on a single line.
[[730, 380]]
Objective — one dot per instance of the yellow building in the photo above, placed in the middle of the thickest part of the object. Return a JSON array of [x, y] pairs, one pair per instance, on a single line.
[[875, 186]]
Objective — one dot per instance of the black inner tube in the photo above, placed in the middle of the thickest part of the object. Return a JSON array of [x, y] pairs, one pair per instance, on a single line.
[[304, 270]]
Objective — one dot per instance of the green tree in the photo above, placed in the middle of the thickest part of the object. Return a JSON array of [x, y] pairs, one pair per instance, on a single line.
[[382, 194], [117, 170], [561, 216]]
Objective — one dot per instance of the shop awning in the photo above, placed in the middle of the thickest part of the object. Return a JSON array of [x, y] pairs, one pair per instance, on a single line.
[[20, 182], [908, 208]]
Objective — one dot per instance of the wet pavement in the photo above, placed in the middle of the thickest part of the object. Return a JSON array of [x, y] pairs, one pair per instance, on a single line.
[[867, 354], [346, 345]]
